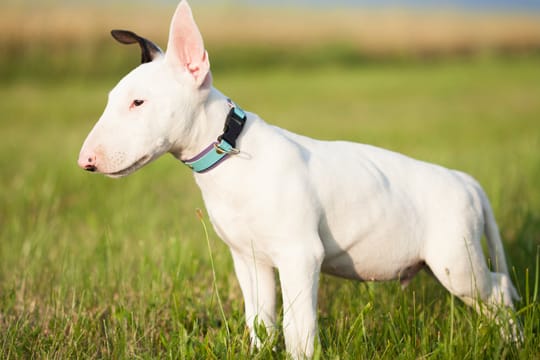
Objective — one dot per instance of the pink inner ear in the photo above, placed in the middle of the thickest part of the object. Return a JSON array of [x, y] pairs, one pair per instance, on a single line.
[[186, 45]]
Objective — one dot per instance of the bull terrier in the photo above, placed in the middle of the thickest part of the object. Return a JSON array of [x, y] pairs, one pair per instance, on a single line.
[[288, 202]]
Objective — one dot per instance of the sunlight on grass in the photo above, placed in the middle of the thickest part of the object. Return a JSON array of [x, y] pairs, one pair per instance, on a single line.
[[103, 268]]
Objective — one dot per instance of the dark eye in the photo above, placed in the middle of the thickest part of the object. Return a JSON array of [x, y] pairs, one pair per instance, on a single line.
[[137, 103]]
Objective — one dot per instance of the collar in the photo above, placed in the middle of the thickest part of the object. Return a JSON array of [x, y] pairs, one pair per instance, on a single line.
[[224, 147]]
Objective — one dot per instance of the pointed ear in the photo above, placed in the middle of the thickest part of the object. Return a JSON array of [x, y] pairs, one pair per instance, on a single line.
[[186, 47]]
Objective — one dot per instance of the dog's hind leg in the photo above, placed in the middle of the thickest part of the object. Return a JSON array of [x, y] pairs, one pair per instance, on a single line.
[[461, 268]]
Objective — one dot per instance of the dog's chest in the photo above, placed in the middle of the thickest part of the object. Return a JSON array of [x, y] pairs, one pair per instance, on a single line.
[[237, 231], [237, 225]]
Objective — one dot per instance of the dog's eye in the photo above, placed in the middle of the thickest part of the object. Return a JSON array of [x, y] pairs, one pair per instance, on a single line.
[[137, 103]]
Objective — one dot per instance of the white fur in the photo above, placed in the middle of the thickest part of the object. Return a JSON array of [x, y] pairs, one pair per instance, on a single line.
[[300, 205]]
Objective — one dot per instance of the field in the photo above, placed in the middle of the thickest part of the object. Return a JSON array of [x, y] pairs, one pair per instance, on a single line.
[[92, 267]]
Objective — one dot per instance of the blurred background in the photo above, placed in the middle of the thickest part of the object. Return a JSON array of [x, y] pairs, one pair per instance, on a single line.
[[69, 37], [452, 82]]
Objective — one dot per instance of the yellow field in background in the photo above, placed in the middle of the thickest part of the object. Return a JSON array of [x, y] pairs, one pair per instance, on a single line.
[[369, 31]]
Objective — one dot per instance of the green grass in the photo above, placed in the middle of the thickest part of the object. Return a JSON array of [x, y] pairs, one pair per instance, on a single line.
[[97, 268]]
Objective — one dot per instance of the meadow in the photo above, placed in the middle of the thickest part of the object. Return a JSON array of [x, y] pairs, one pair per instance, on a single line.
[[92, 267]]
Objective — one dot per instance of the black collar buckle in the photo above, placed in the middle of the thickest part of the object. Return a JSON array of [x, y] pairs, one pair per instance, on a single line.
[[236, 119]]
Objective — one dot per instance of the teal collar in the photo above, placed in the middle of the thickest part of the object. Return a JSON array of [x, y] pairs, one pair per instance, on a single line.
[[224, 147]]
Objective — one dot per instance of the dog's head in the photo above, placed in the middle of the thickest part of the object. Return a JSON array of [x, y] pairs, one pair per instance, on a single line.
[[151, 110]]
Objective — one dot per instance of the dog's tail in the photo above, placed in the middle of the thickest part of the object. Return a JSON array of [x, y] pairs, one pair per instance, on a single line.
[[495, 246]]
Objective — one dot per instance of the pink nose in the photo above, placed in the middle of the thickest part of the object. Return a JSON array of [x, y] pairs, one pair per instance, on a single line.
[[87, 161]]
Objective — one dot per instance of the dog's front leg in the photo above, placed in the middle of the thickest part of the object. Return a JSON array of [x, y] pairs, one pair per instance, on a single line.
[[299, 273], [258, 286]]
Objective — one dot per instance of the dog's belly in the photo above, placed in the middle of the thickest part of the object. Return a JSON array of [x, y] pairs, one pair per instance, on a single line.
[[361, 268], [381, 243]]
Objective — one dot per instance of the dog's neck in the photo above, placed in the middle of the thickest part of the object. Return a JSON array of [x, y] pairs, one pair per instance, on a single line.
[[205, 128]]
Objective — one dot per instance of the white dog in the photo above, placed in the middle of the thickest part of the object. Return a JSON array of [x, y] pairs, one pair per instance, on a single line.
[[287, 202]]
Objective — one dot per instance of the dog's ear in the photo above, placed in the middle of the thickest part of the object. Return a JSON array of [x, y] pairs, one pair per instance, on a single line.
[[149, 50], [186, 47]]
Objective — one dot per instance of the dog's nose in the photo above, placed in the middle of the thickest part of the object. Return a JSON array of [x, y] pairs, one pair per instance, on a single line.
[[87, 162]]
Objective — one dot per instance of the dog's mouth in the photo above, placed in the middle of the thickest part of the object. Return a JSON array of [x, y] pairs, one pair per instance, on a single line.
[[133, 167]]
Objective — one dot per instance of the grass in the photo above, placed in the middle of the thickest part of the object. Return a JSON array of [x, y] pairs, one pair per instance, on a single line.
[[92, 267], [97, 268]]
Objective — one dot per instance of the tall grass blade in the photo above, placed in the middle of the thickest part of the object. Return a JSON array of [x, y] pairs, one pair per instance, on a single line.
[[214, 277]]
